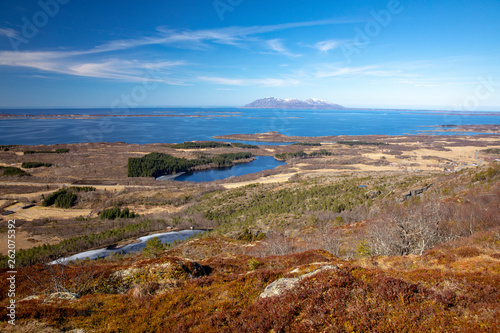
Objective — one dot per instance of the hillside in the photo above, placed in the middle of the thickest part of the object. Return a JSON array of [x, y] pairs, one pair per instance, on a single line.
[[342, 250]]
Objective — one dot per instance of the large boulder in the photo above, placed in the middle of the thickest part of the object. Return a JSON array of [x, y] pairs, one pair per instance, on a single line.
[[165, 271], [284, 284], [53, 297]]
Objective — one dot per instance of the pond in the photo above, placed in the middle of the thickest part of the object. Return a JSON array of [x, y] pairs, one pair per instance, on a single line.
[[260, 163]]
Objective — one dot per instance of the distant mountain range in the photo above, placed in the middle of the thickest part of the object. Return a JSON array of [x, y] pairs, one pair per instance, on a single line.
[[292, 103]]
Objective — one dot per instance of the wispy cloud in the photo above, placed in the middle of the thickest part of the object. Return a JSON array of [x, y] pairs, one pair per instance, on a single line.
[[326, 71], [222, 80], [327, 45], [278, 46], [266, 82], [235, 35], [277, 82], [111, 61], [69, 63], [7, 32]]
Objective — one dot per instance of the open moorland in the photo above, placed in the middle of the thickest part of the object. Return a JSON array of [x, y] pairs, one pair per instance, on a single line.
[[353, 234]]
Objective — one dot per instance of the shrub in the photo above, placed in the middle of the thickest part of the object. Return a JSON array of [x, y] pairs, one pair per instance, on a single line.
[[253, 264], [13, 171], [242, 145], [153, 248], [486, 175], [6, 147], [61, 198], [65, 200], [82, 189], [116, 212], [196, 145], [363, 249], [51, 199], [312, 144], [30, 165], [57, 151], [362, 143]]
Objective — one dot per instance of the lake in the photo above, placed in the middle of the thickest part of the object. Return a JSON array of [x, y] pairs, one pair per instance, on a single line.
[[260, 163], [166, 238]]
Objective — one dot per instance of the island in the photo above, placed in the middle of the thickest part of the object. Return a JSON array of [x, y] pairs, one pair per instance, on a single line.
[[292, 103]]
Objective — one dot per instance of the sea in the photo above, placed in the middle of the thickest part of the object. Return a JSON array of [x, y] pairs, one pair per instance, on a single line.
[[174, 125]]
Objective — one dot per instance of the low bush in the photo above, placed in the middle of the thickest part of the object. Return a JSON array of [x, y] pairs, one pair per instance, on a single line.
[[13, 171], [116, 212], [57, 151], [31, 165]]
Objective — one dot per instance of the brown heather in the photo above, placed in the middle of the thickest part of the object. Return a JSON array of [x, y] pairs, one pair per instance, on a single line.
[[426, 264]]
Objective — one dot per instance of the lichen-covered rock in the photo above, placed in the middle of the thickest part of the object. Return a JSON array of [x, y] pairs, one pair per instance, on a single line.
[[53, 297], [284, 284], [63, 295], [166, 271]]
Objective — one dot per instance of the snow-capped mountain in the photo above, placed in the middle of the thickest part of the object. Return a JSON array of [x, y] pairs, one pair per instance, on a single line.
[[292, 103]]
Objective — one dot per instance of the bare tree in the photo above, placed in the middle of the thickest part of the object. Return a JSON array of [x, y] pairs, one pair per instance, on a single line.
[[408, 230], [278, 244], [331, 239], [52, 278]]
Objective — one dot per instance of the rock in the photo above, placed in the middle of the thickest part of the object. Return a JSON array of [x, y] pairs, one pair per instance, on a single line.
[[279, 286], [415, 193], [54, 296], [284, 284], [165, 270], [62, 295], [29, 298]]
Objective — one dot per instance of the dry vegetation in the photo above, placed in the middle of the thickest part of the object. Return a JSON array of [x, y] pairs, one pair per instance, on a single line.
[[399, 250]]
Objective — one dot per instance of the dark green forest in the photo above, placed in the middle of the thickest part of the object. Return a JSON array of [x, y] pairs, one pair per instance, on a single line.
[[158, 164]]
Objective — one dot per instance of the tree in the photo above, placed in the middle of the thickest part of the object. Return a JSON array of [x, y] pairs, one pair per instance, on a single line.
[[153, 248], [409, 230]]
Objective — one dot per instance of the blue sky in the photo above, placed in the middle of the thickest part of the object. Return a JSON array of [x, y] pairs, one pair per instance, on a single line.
[[392, 54]]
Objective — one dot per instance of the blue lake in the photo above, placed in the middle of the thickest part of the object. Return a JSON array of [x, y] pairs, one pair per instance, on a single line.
[[261, 163], [203, 124]]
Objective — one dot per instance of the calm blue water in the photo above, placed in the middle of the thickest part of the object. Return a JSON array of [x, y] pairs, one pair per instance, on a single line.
[[218, 121], [261, 163]]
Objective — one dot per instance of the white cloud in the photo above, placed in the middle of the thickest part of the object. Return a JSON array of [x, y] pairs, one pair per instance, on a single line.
[[7, 32], [331, 71], [267, 82], [327, 45], [70, 63], [221, 80], [190, 39], [276, 82], [94, 62], [277, 46]]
